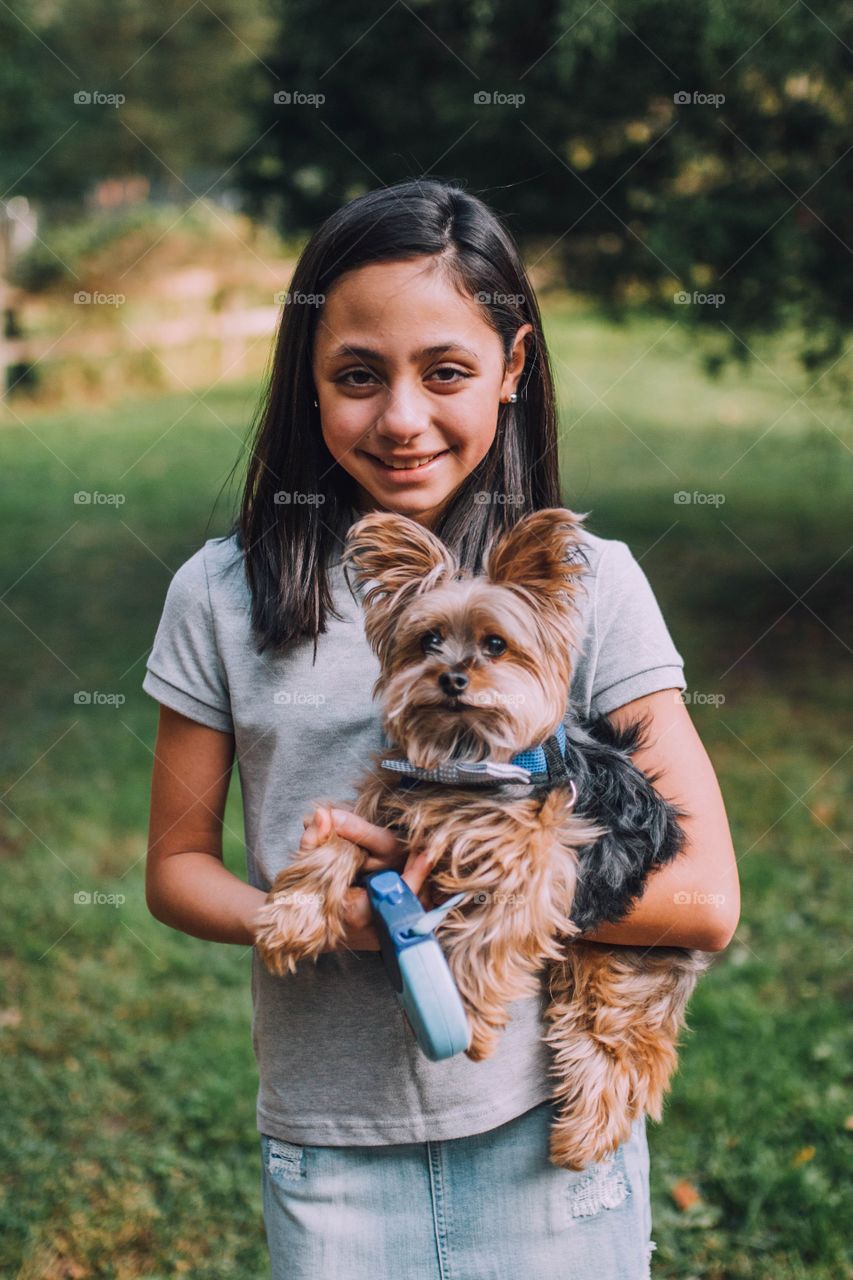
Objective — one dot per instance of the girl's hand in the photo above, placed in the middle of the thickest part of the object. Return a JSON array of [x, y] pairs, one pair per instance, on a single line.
[[385, 850]]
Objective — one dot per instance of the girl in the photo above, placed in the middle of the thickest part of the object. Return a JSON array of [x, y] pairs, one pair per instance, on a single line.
[[410, 375]]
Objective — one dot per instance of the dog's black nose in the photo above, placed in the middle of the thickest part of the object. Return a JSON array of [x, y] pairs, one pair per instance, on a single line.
[[453, 682]]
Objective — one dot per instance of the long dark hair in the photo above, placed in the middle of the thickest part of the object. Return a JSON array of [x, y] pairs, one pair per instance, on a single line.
[[288, 546]]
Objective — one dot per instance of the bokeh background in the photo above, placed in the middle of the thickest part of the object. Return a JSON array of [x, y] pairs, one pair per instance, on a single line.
[[679, 179]]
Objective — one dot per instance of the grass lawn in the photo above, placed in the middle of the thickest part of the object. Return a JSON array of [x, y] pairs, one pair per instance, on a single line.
[[128, 1143]]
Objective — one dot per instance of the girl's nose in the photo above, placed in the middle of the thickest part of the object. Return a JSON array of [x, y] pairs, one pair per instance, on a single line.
[[405, 414]]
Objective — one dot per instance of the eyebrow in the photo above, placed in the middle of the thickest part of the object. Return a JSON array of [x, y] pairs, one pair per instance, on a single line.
[[368, 353]]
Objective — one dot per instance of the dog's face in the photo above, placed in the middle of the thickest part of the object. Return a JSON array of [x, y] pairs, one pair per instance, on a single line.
[[471, 667]]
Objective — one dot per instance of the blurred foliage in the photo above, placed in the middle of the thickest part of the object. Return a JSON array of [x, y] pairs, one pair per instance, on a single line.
[[639, 196], [186, 73], [610, 171], [76, 245], [145, 240]]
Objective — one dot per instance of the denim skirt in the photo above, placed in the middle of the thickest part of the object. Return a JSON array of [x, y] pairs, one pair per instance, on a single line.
[[486, 1207]]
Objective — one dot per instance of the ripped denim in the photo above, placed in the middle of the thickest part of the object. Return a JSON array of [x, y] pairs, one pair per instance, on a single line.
[[486, 1207]]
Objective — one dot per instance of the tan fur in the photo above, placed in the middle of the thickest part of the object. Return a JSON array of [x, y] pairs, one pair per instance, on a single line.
[[615, 1013]]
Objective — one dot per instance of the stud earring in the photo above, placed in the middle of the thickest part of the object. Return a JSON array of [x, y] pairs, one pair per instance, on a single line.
[[316, 404], [511, 399]]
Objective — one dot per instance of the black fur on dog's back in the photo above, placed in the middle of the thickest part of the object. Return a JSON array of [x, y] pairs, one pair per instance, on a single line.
[[643, 829]]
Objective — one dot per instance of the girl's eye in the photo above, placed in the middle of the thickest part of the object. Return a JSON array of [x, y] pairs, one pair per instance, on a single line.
[[352, 373], [494, 646], [345, 378], [431, 641]]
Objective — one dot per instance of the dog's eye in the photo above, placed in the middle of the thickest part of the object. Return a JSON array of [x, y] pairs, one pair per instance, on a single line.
[[494, 646], [431, 641]]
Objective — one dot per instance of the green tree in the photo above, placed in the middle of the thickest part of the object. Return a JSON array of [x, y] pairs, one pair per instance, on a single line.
[[737, 189], [189, 76]]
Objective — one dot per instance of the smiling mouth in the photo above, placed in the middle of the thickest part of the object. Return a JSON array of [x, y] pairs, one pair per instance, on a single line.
[[408, 466]]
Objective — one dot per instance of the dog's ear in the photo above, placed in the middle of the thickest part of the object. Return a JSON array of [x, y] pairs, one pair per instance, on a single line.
[[541, 555], [398, 559]]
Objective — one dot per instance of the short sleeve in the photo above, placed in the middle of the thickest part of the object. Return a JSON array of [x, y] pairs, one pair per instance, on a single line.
[[636, 654], [184, 668]]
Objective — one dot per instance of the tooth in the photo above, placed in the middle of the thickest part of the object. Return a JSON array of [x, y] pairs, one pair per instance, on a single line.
[[403, 466]]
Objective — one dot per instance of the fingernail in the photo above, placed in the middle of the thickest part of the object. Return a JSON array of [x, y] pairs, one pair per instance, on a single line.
[[339, 815]]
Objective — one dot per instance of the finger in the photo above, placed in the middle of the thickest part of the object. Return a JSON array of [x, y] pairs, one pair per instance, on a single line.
[[358, 913], [317, 829], [395, 862], [416, 870], [378, 840]]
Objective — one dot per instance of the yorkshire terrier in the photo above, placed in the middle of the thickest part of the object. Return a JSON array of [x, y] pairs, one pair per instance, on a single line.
[[475, 671]]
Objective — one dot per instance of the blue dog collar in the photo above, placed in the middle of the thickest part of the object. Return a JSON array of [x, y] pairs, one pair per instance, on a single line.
[[535, 766]]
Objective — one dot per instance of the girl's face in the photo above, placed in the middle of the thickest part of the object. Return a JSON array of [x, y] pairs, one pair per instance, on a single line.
[[407, 369]]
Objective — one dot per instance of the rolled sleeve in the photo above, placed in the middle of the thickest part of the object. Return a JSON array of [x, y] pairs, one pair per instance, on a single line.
[[636, 654], [184, 669]]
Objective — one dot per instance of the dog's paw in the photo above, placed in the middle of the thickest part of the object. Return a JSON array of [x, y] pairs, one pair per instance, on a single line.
[[291, 926]]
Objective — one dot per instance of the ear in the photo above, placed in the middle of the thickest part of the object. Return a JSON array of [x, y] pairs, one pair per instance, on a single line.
[[542, 556], [400, 559]]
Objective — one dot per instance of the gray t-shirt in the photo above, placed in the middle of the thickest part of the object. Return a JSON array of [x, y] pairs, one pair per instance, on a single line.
[[338, 1064]]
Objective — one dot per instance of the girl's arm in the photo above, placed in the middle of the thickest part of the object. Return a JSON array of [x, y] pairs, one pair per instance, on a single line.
[[695, 900], [187, 885]]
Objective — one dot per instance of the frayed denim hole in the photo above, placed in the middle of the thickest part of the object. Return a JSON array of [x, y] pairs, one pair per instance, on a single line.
[[606, 1186], [285, 1160]]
